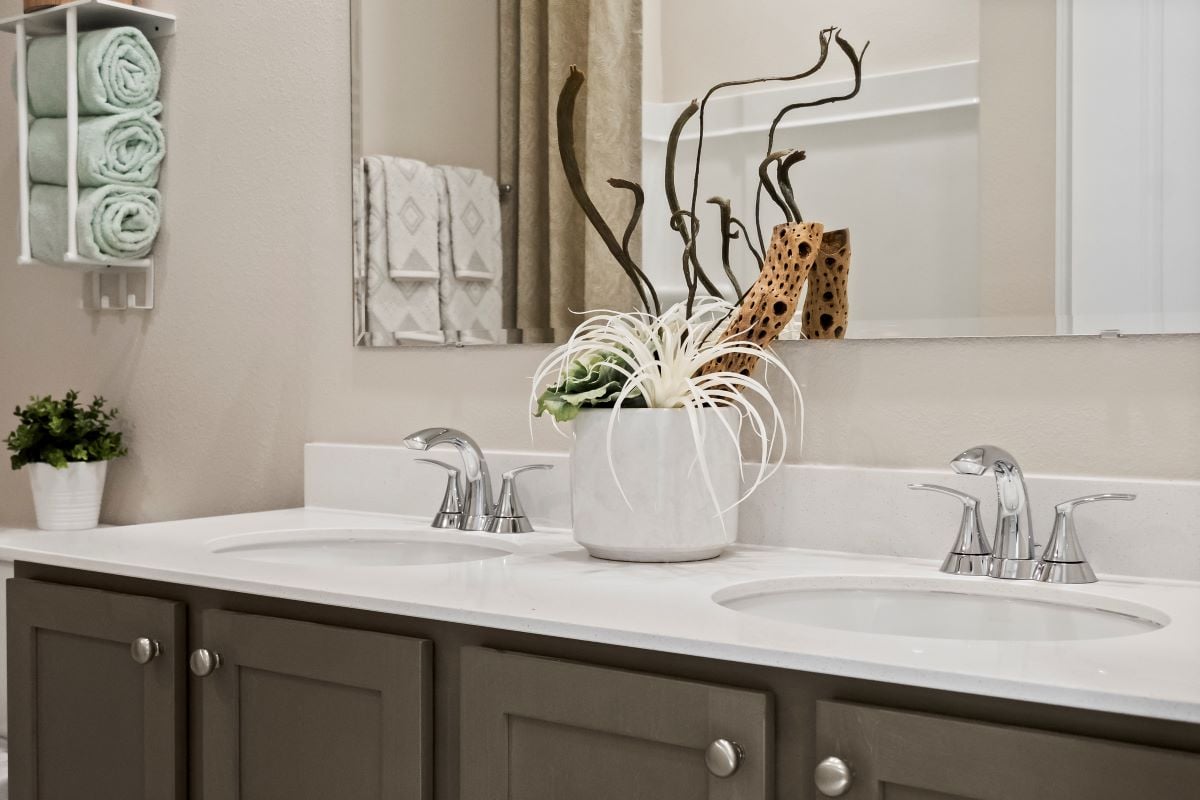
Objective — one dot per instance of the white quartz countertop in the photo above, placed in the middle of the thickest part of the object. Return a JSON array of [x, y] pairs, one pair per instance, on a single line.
[[550, 586]]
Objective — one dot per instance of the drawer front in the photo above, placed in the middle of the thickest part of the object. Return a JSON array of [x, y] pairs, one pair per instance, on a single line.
[[544, 729], [901, 754]]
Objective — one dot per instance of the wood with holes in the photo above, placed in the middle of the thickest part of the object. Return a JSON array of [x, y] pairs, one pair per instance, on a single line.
[[827, 306], [771, 302]]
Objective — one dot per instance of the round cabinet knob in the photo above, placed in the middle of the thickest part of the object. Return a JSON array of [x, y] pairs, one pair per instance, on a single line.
[[723, 757], [144, 650], [204, 662], [833, 777]]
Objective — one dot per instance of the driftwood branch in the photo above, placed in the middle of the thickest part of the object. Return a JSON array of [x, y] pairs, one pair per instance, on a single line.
[[566, 151], [765, 182], [855, 58], [693, 273], [749, 244], [785, 183], [728, 234], [639, 202], [686, 221], [824, 38]]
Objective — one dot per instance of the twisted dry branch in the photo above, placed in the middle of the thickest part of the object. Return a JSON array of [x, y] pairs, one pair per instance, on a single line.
[[855, 58], [785, 183], [566, 151], [693, 273], [728, 234], [822, 57], [639, 202]]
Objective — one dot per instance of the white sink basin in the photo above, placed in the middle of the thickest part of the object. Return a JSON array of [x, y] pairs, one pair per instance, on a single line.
[[366, 547], [941, 609]]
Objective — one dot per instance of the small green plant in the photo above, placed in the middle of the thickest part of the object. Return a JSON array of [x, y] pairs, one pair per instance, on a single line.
[[58, 432]]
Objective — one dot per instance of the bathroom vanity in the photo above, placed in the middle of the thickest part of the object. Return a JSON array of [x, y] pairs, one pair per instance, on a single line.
[[260, 656]]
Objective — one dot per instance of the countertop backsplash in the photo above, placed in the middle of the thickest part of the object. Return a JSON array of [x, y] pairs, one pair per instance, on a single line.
[[834, 508]]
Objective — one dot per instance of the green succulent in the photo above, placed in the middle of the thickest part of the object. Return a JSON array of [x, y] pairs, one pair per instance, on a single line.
[[591, 381], [59, 432]]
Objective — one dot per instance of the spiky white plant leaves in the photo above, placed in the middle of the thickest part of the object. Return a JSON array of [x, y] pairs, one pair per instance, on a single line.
[[661, 358]]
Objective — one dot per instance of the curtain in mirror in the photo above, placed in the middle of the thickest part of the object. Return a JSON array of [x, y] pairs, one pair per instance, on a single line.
[[561, 265]]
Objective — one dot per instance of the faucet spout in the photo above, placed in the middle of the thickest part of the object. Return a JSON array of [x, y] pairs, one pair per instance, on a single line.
[[478, 504], [1014, 547]]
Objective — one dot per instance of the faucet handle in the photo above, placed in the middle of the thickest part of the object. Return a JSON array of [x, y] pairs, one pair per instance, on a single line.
[[1063, 560], [510, 516], [450, 513], [971, 553]]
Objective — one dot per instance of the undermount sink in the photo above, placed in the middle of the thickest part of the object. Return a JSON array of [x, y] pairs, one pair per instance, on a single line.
[[366, 547], [939, 609]]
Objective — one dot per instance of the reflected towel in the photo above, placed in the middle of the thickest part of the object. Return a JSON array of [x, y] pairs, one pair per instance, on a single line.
[[474, 223], [398, 309], [472, 309], [122, 148], [118, 71], [114, 222], [412, 217]]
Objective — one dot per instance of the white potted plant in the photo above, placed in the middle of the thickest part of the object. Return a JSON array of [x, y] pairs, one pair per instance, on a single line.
[[65, 447], [660, 400], [656, 466]]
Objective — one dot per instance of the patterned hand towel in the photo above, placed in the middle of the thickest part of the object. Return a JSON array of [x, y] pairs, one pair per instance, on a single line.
[[118, 71], [412, 218], [113, 222], [120, 148], [398, 309], [471, 309], [474, 223]]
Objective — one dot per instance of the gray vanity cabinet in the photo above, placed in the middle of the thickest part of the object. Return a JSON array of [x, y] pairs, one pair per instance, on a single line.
[[96, 694], [901, 755], [299, 711], [537, 728]]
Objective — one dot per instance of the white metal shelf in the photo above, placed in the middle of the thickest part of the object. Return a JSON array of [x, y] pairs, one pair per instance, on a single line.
[[70, 19], [93, 15]]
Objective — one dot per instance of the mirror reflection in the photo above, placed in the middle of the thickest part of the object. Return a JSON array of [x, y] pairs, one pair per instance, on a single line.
[[1005, 167]]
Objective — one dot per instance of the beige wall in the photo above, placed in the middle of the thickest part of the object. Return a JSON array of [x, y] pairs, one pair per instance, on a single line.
[[214, 381], [1017, 158], [430, 78], [248, 354]]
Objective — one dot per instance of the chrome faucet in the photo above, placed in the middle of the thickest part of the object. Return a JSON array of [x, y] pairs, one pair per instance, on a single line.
[[478, 506], [1014, 549]]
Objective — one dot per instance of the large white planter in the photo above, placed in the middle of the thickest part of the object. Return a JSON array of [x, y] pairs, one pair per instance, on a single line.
[[67, 499], [671, 514]]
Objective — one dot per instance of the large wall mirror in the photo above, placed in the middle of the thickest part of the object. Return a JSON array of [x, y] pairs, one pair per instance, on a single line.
[[1008, 167]]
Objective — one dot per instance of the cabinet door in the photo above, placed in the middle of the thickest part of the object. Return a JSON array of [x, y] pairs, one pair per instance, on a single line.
[[899, 754], [298, 711], [543, 729], [86, 719]]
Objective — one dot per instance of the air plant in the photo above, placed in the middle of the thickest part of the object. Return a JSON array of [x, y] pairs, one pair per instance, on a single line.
[[641, 360], [663, 359]]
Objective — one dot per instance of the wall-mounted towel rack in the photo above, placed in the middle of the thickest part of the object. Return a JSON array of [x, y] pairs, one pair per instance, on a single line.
[[71, 19]]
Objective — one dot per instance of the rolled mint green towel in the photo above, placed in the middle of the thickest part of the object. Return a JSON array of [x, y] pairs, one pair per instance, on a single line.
[[123, 148], [118, 71], [113, 222]]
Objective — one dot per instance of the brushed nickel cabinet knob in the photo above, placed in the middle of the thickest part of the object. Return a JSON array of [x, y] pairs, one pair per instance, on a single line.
[[204, 662], [723, 757], [144, 650], [833, 777]]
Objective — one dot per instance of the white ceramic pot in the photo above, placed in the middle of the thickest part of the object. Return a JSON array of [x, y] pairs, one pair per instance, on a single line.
[[68, 499], [671, 514]]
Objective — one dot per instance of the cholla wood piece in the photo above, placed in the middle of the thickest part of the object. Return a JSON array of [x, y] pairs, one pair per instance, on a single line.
[[771, 302], [827, 306]]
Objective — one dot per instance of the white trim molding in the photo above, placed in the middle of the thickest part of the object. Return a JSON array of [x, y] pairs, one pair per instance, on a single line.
[[894, 94]]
